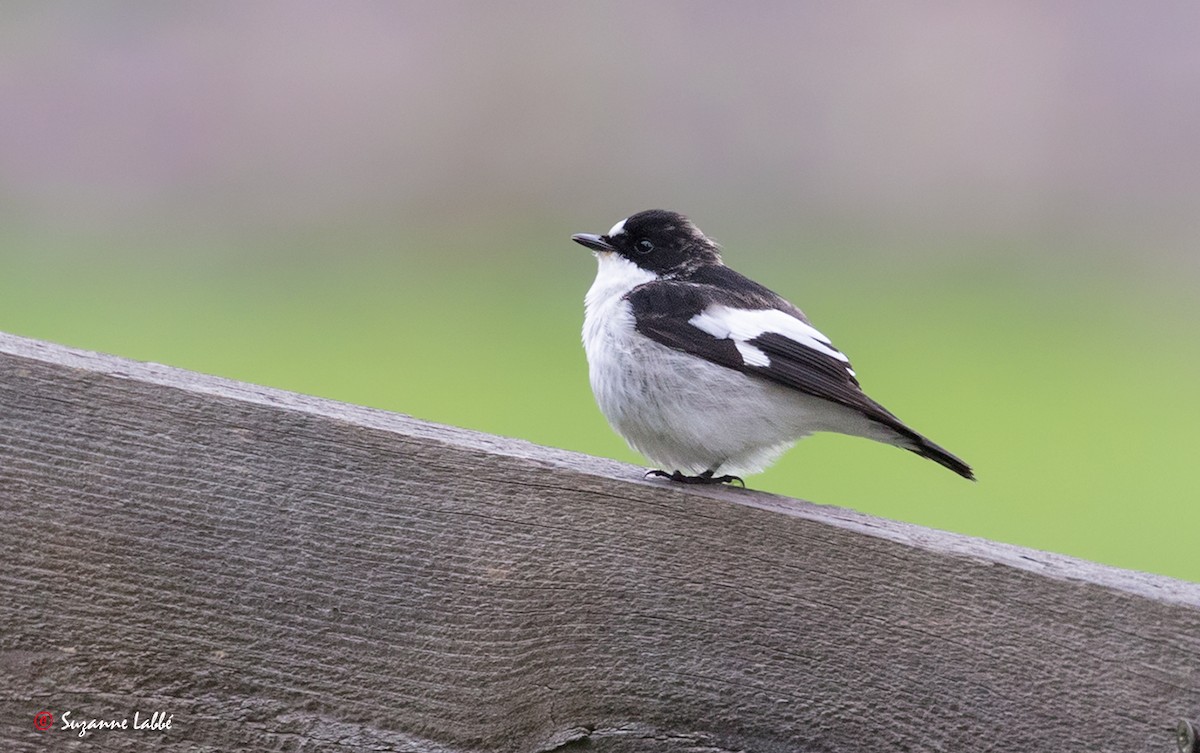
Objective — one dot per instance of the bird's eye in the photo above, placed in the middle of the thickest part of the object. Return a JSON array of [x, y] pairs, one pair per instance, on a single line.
[[644, 246]]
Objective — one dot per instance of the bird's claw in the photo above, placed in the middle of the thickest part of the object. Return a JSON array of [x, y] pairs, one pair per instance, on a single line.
[[704, 478]]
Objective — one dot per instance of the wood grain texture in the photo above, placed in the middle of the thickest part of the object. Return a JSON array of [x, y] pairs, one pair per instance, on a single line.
[[284, 573]]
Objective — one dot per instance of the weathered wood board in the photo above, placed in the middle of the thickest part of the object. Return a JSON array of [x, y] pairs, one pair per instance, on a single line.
[[285, 573]]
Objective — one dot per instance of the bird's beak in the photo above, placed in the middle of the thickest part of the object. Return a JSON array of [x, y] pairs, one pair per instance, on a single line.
[[594, 242]]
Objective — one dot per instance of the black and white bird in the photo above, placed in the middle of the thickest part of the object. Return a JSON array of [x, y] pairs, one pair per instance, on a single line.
[[707, 373]]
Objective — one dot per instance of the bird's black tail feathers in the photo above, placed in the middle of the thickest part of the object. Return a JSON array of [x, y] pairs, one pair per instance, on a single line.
[[914, 442], [927, 449]]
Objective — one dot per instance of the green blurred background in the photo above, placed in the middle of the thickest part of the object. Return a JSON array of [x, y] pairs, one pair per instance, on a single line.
[[992, 208]]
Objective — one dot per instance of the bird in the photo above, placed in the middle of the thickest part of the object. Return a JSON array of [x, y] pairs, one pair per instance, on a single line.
[[709, 374]]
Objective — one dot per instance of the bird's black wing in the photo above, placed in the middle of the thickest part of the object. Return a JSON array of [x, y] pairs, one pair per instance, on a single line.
[[723, 317], [737, 323]]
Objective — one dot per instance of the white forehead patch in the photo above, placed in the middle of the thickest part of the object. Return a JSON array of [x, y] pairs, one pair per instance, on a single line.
[[617, 229]]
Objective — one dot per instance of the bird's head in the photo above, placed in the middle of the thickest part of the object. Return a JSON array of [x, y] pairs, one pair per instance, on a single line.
[[664, 243]]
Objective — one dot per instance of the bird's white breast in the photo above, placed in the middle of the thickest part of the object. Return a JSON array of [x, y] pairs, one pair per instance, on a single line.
[[615, 276], [609, 337], [679, 410]]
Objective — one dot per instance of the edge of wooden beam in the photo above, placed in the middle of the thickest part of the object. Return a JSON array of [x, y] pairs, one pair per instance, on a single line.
[[1047, 564]]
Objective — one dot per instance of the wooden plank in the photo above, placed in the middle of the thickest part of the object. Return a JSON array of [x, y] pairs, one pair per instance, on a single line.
[[281, 572]]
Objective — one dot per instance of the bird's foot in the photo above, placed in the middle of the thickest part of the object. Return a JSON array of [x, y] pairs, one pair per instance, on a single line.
[[727, 479], [704, 478]]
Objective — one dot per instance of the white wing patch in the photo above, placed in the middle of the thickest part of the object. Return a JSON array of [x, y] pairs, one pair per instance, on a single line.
[[742, 325], [750, 354], [617, 229]]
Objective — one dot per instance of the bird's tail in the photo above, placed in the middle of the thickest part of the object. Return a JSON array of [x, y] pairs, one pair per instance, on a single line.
[[897, 433], [937, 454]]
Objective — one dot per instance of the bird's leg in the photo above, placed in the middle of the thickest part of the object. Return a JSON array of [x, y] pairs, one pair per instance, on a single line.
[[704, 478]]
